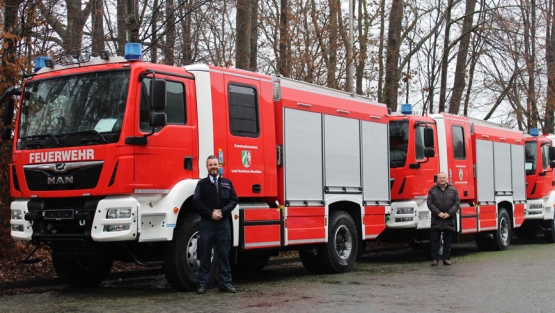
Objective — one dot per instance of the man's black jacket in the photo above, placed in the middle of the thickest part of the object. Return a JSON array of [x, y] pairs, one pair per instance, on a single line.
[[205, 200]]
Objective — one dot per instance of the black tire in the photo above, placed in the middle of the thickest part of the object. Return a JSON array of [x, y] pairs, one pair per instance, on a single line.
[[181, 262], [549, 231], [503, 235], [250, 261], [339, 253], [78, 271]]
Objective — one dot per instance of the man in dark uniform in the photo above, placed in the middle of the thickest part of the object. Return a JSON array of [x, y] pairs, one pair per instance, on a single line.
[[443, 201], [214, 200]]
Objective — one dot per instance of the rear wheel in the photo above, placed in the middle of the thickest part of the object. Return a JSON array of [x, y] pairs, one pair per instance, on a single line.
[[181, 261], [339, 253], [501, 238], [80, 271], [503, 235]]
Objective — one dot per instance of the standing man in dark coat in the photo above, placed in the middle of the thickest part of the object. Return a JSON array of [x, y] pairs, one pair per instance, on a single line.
[[443, 201], [214, 199]]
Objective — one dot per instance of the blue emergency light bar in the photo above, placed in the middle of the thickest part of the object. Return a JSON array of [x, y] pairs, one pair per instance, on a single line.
[[133, 51], [534, 132], [406, 109], [41, 62]]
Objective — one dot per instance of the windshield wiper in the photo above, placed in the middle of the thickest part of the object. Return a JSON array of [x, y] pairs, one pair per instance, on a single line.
[[96, 136], [40, 141]]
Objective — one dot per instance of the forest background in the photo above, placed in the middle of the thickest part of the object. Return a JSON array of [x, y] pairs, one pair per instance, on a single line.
[[488, 59]]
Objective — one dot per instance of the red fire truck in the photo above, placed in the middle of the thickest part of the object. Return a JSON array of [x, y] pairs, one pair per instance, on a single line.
[[540, 190], [108, 151], [485, 162]]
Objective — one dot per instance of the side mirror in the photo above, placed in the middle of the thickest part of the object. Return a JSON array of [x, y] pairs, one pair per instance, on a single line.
[[552, 153], [429, 137], [429, 152], [157, 119], [8, 111], [6, 133], [158, 94]]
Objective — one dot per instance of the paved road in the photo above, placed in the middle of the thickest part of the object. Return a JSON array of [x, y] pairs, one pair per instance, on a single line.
[[517, 280]]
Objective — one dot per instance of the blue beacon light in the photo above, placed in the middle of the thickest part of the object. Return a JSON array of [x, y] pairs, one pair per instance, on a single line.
[[40, 62], [406, 109], [534, 132], [133, 51]]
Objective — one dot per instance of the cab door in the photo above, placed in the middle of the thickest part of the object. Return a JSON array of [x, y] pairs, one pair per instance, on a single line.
[[459, 157], [170, 153]]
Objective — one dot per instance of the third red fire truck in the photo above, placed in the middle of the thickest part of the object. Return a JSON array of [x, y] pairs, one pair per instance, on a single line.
[[489, 165]]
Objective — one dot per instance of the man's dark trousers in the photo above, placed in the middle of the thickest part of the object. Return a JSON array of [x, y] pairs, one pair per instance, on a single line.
[[211, 232], [435, 242]]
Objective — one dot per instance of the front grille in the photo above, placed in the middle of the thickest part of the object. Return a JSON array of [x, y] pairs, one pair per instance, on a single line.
[[80, 176]]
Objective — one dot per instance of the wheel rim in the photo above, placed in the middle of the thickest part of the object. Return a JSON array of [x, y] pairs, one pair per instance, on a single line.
[[343, 242], [192, 256], [504, 230]]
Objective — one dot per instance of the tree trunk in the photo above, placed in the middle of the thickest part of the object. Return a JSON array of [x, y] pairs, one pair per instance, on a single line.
[[363, 25], [169, 43], [121, 27], [550, 58], [445, 59], [380, 52], [283, 62], [460, 71], [254, 36], [392, 74], [243, 31], [97, 16]]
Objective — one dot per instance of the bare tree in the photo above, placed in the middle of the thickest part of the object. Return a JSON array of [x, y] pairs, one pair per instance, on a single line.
[[243, 26], [392, 73], [460, 70]]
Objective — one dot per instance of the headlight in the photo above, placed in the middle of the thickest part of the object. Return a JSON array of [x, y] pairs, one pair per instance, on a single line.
[[17, 215], [405, 211], [118, 213]]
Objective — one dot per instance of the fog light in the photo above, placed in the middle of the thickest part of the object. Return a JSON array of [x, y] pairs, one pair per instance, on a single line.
[[403, 219], [17, 215], [17, 227], [405, 211], [120, 227]]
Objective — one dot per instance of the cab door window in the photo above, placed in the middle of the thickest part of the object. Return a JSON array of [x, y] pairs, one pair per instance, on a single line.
[[176, 112]]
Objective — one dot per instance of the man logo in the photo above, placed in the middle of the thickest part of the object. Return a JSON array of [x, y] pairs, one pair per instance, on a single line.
[[60, 180], [60, 167], [246, 158]]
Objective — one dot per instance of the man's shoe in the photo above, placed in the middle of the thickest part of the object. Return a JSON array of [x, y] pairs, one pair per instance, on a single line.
[[228, 289], [434, 263], [201, 289], [446, 262]]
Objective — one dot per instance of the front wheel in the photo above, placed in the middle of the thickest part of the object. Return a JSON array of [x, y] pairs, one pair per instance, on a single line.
[[181, 261], [549, 231], [339, 253]]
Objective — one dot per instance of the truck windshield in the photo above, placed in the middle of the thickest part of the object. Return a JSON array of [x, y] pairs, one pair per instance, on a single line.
[[73, 110], [398, 143]]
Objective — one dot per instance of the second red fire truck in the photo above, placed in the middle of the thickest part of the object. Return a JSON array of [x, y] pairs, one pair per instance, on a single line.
[[489, 165]]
